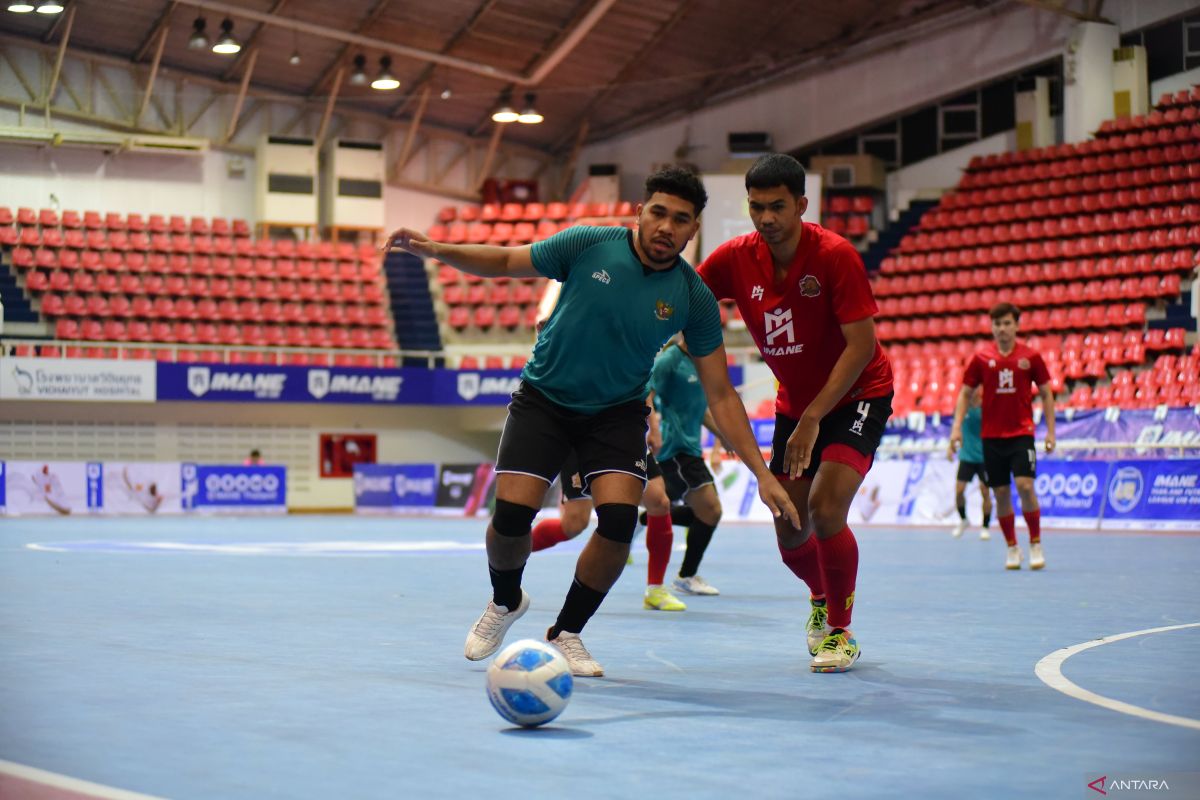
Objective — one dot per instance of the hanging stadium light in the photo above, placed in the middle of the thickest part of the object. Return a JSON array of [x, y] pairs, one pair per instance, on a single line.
[[529, 114], [386, 82], [20, 8], [198, 40], [504, 112], [227, 45], [359, 76], [50, 7]]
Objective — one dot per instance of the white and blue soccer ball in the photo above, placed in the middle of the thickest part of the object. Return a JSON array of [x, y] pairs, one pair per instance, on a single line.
[[529, 683]]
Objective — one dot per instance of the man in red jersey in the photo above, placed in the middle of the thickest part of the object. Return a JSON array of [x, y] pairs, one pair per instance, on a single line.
[[806, 300], [1006, 369]]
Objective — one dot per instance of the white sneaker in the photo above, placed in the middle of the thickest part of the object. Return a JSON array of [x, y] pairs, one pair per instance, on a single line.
[[1037, 559], [580, 660], [487, 633], [1014, 558], [984, 534], [959, 527], [836, 654], [694, 585]]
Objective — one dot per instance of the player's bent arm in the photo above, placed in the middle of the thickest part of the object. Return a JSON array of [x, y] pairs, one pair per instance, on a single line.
[[960, 411], [728, 412], [711, 424], [860, 346]]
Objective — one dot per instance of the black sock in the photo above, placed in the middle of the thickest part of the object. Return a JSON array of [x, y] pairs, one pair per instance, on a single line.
[[683, 516], [698, 537], [962, 508], [581, 603], [987, 518], [506, 586]]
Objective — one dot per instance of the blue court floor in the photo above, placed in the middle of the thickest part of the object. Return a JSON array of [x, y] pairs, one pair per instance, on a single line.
[[321, 657]]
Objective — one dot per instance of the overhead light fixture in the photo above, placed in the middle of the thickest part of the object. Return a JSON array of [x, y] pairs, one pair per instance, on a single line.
[[359, 76], [504, 112], [227, 45], [529, 114], [446, 93], [198, 40], [294, 58], [20, 8], [386, 82], [50, 7]]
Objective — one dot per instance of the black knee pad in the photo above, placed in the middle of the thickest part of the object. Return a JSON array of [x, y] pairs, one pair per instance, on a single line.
[[513, 519], [617, 521]]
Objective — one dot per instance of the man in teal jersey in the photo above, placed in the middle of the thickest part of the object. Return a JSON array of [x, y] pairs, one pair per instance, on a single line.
[[679, 397], [970, 465], [624, 295]]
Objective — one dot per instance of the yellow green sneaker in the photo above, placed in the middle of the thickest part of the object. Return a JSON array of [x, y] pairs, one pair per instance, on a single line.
[[817, 627], [837, 653], [659, 599]]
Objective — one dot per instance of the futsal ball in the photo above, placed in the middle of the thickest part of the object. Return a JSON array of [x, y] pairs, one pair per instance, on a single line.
[[529, 683]]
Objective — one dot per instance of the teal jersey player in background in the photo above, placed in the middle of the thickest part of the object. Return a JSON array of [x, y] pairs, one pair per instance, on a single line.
[[624, 295], [679, 399], [970, 465]]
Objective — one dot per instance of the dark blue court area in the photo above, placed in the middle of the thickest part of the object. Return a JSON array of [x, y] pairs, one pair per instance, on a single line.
[[321, 657]]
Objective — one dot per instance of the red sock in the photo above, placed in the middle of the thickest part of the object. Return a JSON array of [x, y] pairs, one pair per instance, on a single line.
[[548, 533], [1034, 520], [806, 566], [1008, 527], [839, 566], [659, 538]]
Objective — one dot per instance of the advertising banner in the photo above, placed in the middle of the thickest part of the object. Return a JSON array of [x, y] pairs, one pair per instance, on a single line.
[[1153, 494], [456, 483], [1070, 493], [80, 379], [395, 487], [151, 487], [212, 487], [53, 487], [244, 383]]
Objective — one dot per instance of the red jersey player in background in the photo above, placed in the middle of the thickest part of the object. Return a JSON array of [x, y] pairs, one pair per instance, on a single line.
[[806, 300], [1006, 369]]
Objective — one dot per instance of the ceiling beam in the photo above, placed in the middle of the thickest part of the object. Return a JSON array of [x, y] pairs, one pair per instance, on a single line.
[[375, 12], [371, 43], [241, 96], [329, 103], [1061, 8], [427, 70], [250, 44], [411, 138], [627, 72], [62, 51], [568, 42], [158, 51], [155, 30]]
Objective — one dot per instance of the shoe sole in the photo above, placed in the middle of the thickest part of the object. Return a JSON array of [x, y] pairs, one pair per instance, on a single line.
[[830, 670], [690, 593], [1006, 566], [652, 607], [1037, 566]]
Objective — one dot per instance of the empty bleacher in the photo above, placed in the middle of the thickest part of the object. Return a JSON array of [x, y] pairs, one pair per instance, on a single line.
[[151, 284], [1086, 239]]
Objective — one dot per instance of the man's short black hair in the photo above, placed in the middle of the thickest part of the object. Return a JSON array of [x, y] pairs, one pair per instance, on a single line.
[[1002, 310], [680, 182], [776, 169], [255, 454]]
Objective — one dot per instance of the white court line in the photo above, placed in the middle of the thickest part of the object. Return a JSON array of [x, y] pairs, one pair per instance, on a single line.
[[1049, 669], [70, 786]]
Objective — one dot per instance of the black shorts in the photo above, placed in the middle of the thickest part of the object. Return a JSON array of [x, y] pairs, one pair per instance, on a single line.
[[1008, 458], [684, 472], [859, 425], [968, 470], [539, 436], [570, 479]]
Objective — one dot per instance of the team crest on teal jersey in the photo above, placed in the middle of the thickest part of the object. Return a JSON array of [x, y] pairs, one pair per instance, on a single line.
[[664, 310]]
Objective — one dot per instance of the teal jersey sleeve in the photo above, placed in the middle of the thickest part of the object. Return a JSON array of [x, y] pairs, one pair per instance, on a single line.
[[553, 257], [703, 330]]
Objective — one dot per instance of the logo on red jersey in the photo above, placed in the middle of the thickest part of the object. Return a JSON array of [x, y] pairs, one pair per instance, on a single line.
[[778, 324], [664, 310], [1023, 363], [756, 293], [809, 286], [1005, 385]]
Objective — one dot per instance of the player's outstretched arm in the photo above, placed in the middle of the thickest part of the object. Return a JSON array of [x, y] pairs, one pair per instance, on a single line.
[[730, 416], [485, 261], [960, 411], [1048, 414]]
